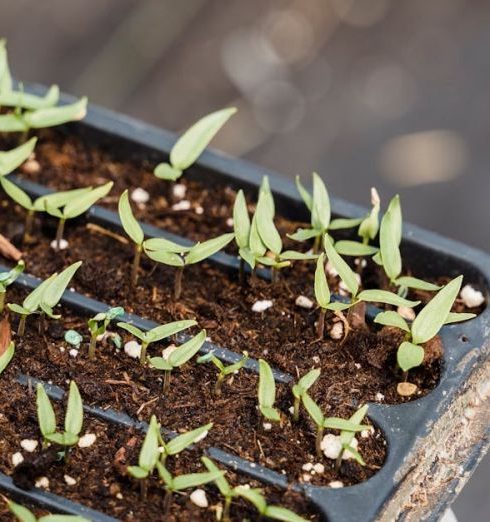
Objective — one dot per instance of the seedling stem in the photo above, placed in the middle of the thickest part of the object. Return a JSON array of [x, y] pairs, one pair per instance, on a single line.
[[136, 265]]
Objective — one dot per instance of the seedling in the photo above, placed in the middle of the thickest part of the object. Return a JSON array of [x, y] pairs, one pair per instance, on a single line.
[[11, 159], [322, 422], [7, 356], [6, 279], [389, 256], [44, 298], [350, 281], [267, 392], [346, 437], [182, 482], [181, 442], [192, 143], [98, 324], [73, 208], [54, 200], [47, 418], [223, 370], [301, 387], [134, 231], [22, 514], [148, 456], [255, 497], [426, 325], [155, 334], [170, 253], [177, 358]]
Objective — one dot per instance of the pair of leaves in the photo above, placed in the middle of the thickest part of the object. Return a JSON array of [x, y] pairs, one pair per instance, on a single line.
[[97, 325], [26, 101], [267, 392], [346, 436], [159, 332], [7, 278], [149, 452], [192, 143], [182, 482], [305, 383], [180, 355], [47, 418], [48, 294], [318, 204], [222, 368], [23, 514], [11, 159]]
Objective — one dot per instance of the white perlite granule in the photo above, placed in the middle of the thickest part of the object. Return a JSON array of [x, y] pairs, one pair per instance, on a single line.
[[133, 349], [42, 482], [182, 205], [87, 440], [261, 306], [140, 195], [29, 445], [17, 458], [198, 497], [304, 302], [336, 484], [471, 297], [179, 191], [337, 331], [331, 446], [63, 244], [70, 480]]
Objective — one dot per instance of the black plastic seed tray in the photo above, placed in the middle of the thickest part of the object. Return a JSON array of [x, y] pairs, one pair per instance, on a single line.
[[427, 254]]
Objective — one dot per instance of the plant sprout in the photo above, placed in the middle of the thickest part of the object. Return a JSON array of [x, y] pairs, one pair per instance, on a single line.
[[426, 325], [134, 231], [322, 422], [54, 200], [350, 281], [6, 279], [267, 392], [73, 208], [155, 334], [7, 356], [255, 497], [192, 143], [346, 437], [98, 324], [172, 254], [44, 298], [177, 358], [301, 387], [47, 418], [389, 256], [174, 484], [11, 159], [22, 514], [223, 370]]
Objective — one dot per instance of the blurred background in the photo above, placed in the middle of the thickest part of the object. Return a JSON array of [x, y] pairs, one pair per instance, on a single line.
[[393, 94]]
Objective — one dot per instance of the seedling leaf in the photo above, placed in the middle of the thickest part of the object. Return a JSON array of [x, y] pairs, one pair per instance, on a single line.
[[57, 286], [45, 412], [186, 351], [322, 292], [74, 411], [51, 116], [207, 248], [149, 451], [11, 159], [283, 514], [267, 392], [192, 480], [390, 237], [181, 442], [305, 195], [20, 512], [6, 356], [241, 220], [409, 356], [80, 205], [354, 248], [16, 193], [419, 284], [344, 270], [166, 330], [320, 212], [455, 317], [128, 221], [383, 296], [313, 409], [391, 318]]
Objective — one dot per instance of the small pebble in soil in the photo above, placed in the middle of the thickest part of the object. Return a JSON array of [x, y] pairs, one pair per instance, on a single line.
[[133, 349], [140, 195], [199, 210], [336, 484], [199, 498], [63, 244], [29, 445], [308, 466], [70, 480], [406, 389], [267, 426], [182, 205], [319, 468], [31, 166], [87, 440], [337, 331], [73, 352], [304, 302], [166, 353], [42, 482], [406, 312], [229, 222], [379, 397], [179, 190], [471, 297], [17, 458], [291, 410], [261, 306], [316, 359]]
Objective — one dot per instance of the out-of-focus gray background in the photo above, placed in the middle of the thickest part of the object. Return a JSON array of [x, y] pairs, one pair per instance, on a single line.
[[394, 94]]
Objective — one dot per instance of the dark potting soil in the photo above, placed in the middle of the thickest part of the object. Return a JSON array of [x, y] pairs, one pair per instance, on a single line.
[[100, 472]]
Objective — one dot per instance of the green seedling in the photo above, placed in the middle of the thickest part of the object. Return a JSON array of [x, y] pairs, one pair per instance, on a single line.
[[227, 491], [426, 325], [389, 256], [223, 370], [11, 159], [322, 422], [47, 418], [346, 437], [44, 298], [53, 200], [301, 387], [134, 231], [266, 511], [181, 442], [177, 358], [155, 334], [358, 297], [174, 484], [98, 324], [148, 457], [6, 279], [171, 254], [73, 208], [7, 356], [192, 143], [22, 514], [267, 392]]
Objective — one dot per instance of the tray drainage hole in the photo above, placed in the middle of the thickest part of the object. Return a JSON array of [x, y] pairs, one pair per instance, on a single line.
[[464, 339]]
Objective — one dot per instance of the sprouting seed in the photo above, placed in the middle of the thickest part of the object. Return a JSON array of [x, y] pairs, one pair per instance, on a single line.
[[223, 370], [301, 387], [98, 324]]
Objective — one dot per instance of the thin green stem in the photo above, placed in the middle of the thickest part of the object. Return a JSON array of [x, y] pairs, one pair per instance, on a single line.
[[296, 404], [226, 510], [167, 504], [136, 265], [178, 283], [22, 325], [28, 227], [318, 441], [217, 385], [166, 381], [143, 489], [338, 461], [2, 301], [143, 353], [91, 348], [320, 327], [59, 233]]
